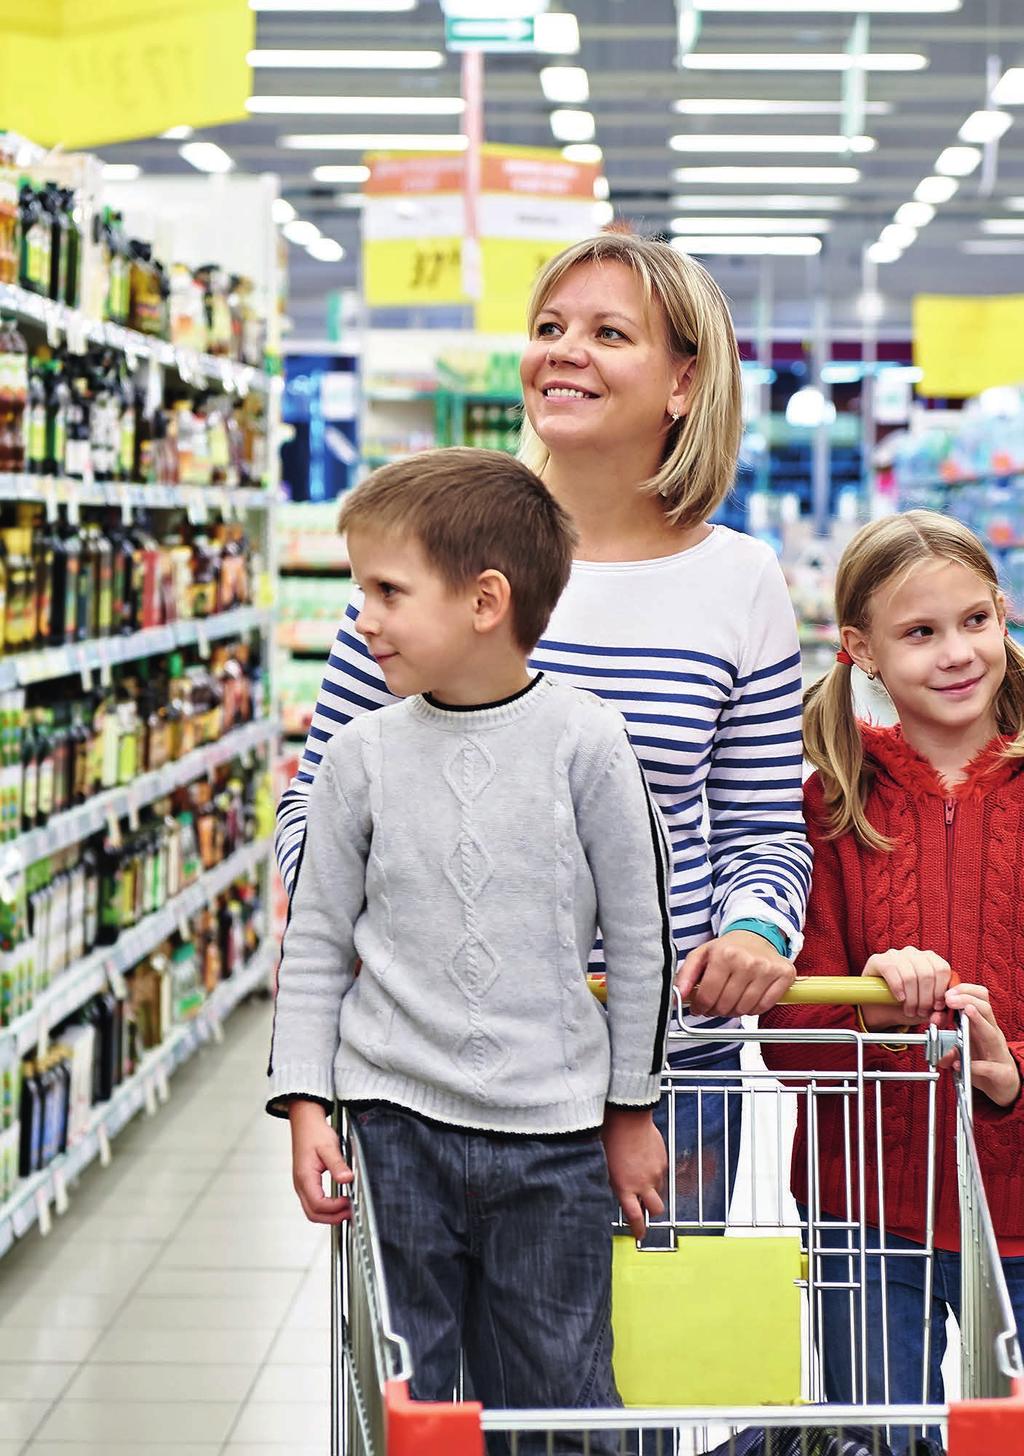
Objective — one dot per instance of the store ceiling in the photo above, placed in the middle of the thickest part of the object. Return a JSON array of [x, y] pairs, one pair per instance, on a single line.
[[628, 48]]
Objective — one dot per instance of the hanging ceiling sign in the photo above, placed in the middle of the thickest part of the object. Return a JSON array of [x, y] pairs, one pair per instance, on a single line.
[[966, 344]]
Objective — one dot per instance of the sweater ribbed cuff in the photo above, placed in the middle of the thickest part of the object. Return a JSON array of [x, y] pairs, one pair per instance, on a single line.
[[633, 1089], [300, 1079]]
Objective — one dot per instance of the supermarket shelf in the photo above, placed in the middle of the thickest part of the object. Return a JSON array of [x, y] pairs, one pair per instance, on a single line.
[[60, 320], [108, 963], [79, 823], [307, 636], [994, 477], [52, 490], [326, 566], [100, 654], [398, 394], [147, 1088]]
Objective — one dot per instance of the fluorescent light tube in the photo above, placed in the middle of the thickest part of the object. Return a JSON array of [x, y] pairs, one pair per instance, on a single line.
[[1016, 204], [884, 252], [325, 7], [373, 142], [800, 176], [340, 173], [742, 106], [802, 61], [282, 211], [572, 126], [582, 152], [765, 142], [991, 245], [327, 60], [487, 9], [1003, 225], [176, 134], [602, 214], [565, 85], [985, 126], [556, 34], [750, 225], [935, 189], [915, 214], [301, 232], [774, 246], [1009, 89], [356, 105], [898, 235], [326, 250], [748, 201], [834, 7], [957, 161], [121, 171], [602, 190], [206, 156]]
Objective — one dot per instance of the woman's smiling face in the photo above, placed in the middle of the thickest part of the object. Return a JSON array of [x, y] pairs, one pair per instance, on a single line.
[[597, 373]]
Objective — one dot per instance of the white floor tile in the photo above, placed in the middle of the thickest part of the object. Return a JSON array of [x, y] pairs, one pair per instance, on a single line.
[[34, 1382], [155, 1383], [103, 1448], [219, 1283], [71, 1311], [149, 1347], [45, 1346], [138, 1423], [19, 1418], [297, 1347], [264, 1423], [146, 1313], [285, 1384]]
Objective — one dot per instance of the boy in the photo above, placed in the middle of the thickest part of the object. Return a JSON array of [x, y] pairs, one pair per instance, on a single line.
[[463, 845]]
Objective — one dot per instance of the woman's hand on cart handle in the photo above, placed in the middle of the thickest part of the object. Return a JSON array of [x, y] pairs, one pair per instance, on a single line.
[[918, 980], [316, 1151], [637, 1163], [739, 974], [993, 1068]]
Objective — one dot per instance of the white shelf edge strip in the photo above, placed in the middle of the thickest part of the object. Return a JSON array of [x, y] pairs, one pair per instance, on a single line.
[[89, 818], [88, 976], [46, 663], [22, 1210], [62, 489]]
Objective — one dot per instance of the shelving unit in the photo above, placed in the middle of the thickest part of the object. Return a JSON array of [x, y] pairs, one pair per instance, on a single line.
[[314, 586]]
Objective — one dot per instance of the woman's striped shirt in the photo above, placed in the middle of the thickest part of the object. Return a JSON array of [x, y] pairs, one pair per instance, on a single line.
[[699, 653]]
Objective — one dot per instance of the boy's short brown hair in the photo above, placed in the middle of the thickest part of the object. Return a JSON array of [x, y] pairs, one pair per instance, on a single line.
[[473, 511]]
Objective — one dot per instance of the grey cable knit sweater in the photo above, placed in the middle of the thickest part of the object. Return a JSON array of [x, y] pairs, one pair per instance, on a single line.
[[465, 857]]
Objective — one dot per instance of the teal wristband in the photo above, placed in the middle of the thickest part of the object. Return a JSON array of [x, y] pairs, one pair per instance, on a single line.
[[765, 929]]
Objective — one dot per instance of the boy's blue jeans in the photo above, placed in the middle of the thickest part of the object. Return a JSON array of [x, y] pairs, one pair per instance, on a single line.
[[498, 1247], [707, 1136], [905, 1312]]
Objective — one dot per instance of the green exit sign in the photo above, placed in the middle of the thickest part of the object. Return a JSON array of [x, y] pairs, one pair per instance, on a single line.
[[501, 33]]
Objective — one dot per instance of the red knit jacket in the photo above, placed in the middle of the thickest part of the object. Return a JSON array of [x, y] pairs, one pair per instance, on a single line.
[[953, 884]]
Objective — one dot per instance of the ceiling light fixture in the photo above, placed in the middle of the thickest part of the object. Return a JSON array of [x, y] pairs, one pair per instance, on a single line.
[[775, 246], [985, 126], [326, 60], [602, 189], [957, 161], [743, 106], [356, 105], [373, 142], [915, 214], [206, 156], [603, 213], [800, 176], [991, 245], [802, 61], [750, 225], [565, 85], [835, 7], [1009, 89], [572, 126], [765, 142], [556, 34], [583, 152], [884, 252], [898, 235], [301, 232], [282, 211], [350, 199], [935, 189], [1003, 225], [325, 7], [121, 171], [751, 201], [341, 173], [326, 250], [176, 134]]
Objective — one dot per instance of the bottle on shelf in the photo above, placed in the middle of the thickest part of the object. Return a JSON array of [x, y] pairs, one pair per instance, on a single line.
[[34, 272]]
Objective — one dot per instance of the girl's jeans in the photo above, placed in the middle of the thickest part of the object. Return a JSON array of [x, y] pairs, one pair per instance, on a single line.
[[498, 1247], [707, 1138]]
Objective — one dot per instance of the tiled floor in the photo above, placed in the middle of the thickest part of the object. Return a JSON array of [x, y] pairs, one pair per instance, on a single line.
[[180, 1308]]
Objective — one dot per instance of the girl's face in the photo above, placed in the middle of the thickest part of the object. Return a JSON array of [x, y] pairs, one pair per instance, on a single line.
[[597, 373], [936, 640]]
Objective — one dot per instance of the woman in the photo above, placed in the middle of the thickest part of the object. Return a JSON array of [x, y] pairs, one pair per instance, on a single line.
[[631, 387]]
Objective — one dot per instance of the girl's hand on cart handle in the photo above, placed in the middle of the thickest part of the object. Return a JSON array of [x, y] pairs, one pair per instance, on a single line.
[[993, 1068], [637, 1163], [739, 974], [918, 979], [316, 1151]]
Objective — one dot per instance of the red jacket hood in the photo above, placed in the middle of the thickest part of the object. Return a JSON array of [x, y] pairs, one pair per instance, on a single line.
[[893, 758]]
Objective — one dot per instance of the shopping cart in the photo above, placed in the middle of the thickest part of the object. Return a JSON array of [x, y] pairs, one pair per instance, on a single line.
[[373, 1415]]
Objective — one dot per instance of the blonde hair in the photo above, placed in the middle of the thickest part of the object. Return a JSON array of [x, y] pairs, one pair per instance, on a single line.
[[885, 550], [699, 464]]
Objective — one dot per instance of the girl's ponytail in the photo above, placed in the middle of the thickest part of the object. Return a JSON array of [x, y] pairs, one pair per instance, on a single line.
[[833, 744]]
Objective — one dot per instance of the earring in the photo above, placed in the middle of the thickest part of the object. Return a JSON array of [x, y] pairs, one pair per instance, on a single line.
[[675, 416], [871, 674]]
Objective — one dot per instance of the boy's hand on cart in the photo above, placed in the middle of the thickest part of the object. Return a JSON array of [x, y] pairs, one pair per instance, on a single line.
[[919, 980], [637, 1163], [993, 1068], [316, 1151], [739, 974]]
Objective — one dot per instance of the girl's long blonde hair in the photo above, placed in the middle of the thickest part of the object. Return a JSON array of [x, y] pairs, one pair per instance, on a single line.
[[885, 550], [699, 464]]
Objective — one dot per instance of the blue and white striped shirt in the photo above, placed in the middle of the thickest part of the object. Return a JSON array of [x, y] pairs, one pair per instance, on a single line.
[[699, 653]]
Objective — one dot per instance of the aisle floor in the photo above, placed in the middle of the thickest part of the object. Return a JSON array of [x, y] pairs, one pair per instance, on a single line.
[[181, 1306]]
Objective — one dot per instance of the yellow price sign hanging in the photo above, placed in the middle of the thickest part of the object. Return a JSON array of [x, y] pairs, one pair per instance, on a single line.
[[405, 272]]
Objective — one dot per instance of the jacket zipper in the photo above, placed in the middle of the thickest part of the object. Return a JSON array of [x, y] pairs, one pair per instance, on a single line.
[[950, 810]]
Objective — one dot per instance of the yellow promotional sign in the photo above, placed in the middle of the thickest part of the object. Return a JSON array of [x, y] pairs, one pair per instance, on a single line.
[[77, 75], [965, 345]]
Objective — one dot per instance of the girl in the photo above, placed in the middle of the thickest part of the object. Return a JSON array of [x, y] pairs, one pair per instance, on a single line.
[[632, 397], [919, 868]]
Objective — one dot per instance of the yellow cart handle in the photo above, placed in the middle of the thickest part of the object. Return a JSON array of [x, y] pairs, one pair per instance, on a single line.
[[811, 991]]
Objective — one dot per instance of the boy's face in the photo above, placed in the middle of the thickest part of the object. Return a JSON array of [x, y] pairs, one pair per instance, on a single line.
[[415, 625]]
